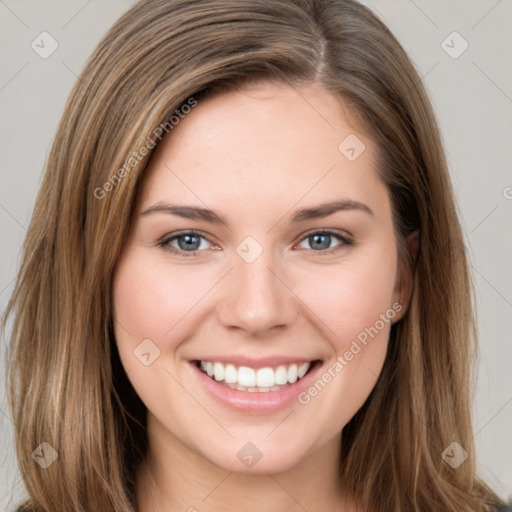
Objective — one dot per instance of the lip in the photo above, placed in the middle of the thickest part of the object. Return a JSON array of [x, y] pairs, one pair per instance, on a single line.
[[256, 403]]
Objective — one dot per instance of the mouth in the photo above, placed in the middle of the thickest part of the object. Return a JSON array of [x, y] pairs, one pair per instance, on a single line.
[[255, 386], [256, 379]]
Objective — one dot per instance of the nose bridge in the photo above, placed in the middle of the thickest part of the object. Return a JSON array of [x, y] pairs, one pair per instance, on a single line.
[[259, 300]]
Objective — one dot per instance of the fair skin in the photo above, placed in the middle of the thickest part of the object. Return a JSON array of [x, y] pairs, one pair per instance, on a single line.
[[291, 304]]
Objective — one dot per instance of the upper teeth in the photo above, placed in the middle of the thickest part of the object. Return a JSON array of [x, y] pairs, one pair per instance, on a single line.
[[249, 377]]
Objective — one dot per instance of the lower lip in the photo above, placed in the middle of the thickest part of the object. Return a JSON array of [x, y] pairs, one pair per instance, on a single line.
[[256, 402]]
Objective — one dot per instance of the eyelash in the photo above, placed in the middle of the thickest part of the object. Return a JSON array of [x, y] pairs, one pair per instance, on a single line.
[[165, 241]]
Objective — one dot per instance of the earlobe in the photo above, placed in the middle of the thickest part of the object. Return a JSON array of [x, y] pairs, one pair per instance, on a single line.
[[404, 280]]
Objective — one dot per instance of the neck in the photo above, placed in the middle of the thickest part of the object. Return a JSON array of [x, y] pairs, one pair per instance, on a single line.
[[173, 478]]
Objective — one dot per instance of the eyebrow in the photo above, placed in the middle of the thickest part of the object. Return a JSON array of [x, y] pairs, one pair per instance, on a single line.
[[204, 214]]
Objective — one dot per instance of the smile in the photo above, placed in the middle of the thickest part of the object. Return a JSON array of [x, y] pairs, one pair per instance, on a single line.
[[259, 380], [255, 385]]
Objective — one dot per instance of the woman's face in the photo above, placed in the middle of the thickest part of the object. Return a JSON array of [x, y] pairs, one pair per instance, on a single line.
[[226, 270]]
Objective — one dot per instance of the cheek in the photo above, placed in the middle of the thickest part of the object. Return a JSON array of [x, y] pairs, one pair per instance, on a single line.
[[352, 296], [152, 300], [356, 308]]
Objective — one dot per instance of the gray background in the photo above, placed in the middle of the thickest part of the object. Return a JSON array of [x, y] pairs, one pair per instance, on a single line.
[[472, 96]]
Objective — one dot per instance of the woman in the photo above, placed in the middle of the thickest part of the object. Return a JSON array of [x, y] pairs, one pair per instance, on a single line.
[[243, 284]]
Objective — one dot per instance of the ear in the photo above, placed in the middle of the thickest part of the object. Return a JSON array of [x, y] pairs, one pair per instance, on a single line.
[[404, 277]]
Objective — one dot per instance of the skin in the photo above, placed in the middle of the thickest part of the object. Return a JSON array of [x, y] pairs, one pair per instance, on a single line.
[[291, 300]]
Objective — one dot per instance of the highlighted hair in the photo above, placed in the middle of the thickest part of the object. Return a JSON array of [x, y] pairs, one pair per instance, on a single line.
[[65, 381]]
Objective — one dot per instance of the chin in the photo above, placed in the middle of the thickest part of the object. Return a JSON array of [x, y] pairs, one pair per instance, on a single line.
[[257, 457]]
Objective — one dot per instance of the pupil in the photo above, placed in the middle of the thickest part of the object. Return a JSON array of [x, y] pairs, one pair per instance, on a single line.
[[190, 242], [317, 241]]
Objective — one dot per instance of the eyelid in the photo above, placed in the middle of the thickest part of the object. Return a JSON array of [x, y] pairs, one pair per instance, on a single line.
[[328, 231]]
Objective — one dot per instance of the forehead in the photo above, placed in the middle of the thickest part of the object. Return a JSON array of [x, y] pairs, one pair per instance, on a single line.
[[261, 145]]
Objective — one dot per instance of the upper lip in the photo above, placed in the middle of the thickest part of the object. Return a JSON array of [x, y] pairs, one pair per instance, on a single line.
[[260, 362]]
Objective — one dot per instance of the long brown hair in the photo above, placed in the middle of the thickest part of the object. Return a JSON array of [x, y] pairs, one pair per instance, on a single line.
[[66, 385]]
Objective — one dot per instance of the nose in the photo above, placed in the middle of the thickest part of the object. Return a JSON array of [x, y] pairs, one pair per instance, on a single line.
[[257, 298]]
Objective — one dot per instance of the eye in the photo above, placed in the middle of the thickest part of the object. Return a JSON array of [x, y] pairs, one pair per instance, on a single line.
[[184, 242], [189, 243], [320, 241]]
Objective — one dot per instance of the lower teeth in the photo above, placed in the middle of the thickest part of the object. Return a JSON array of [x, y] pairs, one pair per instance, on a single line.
[[238, 387]]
